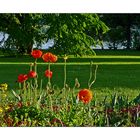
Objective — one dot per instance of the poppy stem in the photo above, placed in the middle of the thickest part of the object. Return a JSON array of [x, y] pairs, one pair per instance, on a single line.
[[31, 65], [19, 88], [24, 92], [65, 74], [30, 95], [20, 91], [65, 78], [49, 79], [35, 65], [51, 105], [35, 80], [91, 74]]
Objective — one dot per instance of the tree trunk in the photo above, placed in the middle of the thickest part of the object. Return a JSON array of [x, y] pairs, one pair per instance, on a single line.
[[29, 48], [128, 31], [114, 45]]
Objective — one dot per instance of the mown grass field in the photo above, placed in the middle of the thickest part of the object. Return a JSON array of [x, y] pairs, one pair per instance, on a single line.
[[118, 70]]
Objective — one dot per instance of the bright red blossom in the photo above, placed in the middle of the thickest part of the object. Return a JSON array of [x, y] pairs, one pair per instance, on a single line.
[[22, 78], [48, 73], [49, 57], [36, 53], [85, 95], [32, 74]]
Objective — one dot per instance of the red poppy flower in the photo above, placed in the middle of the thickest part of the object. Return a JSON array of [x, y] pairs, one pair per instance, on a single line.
[[36, 53], [19, 104], [85, 95], [48, 73], [22, 78], [32, 74], [49, 57]]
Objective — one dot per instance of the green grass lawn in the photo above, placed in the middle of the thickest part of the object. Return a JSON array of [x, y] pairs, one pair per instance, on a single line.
[[124, 52], [114, 71], [111, 76]]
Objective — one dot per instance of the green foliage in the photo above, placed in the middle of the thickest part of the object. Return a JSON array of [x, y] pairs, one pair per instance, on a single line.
[[72, 33], [136, 40], [23, 31], [122, 28], [75, 33], [115, 36], [114, 110]]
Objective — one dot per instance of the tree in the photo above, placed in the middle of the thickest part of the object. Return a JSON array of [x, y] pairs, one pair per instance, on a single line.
[[115, 37], [23, 30], [126, 22], [136, 39], [72, 33]]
